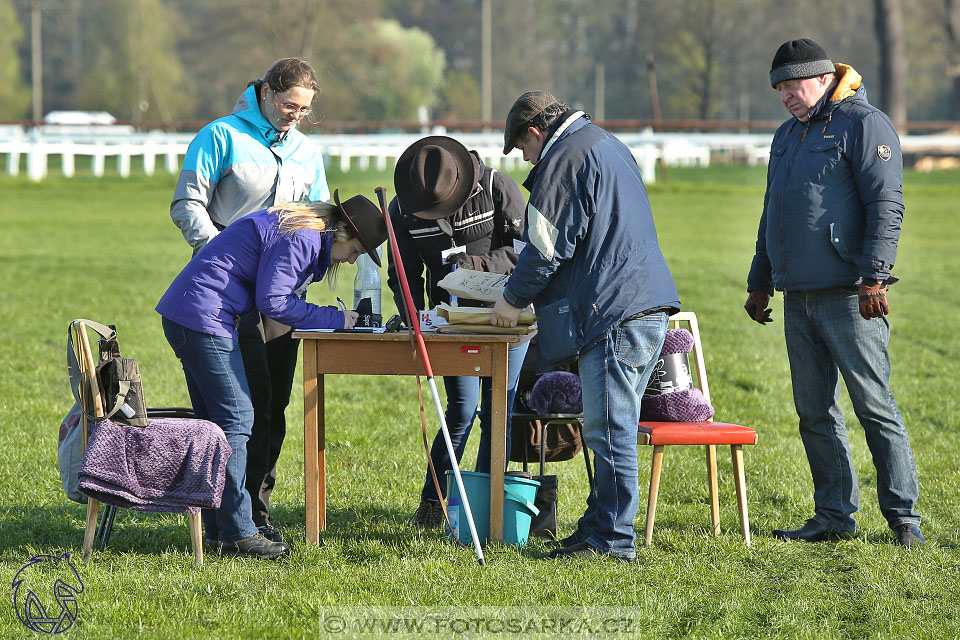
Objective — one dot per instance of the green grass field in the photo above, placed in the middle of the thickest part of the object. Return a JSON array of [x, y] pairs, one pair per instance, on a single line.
[[106, 250]]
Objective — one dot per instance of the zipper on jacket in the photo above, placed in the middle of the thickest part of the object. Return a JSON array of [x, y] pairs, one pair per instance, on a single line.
[[783, 192]]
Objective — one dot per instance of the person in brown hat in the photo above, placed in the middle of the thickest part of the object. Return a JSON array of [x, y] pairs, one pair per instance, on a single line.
[[453, 211], [257, 265]]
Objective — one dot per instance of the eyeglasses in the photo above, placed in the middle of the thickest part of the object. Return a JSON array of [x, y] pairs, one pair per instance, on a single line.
[[289, 107]]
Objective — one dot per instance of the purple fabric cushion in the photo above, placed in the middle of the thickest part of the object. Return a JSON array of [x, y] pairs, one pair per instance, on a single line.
[[688, 405], [172, 464], [557, 392], [677, 341]]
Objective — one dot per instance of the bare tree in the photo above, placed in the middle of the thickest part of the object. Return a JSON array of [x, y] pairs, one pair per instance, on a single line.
[[893, 58], [953, 54]]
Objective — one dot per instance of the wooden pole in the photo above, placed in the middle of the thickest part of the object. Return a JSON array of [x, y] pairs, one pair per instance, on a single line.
[[486, 64], [655, 99], [36, 59]]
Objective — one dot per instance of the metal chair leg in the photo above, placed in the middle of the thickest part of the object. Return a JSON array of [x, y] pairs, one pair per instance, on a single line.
[[110, 512], [586, 463]]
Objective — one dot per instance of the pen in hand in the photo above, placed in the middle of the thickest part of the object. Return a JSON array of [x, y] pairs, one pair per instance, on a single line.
[[349, 317]]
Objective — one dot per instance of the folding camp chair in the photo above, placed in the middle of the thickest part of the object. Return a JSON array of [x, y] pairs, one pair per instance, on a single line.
[[93, 405]]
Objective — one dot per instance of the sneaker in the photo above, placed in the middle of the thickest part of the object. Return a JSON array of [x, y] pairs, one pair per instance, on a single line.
[[255, 546], [429, 515], [270, 532], [576, 537]]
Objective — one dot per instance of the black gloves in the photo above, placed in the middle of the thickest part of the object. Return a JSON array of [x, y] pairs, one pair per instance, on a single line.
[[756, 307]]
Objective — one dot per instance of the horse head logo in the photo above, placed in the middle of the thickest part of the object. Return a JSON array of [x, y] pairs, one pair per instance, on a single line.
[[45, 577]]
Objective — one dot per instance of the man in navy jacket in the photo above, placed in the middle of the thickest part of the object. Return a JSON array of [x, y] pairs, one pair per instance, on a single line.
[[828, 240], [593, 269]]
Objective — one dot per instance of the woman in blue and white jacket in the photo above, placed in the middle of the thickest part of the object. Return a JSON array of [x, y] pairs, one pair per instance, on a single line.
[[259, 265], [249, 160]]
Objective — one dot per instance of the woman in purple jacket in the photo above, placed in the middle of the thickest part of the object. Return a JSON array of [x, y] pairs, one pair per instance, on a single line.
[[258, 264]]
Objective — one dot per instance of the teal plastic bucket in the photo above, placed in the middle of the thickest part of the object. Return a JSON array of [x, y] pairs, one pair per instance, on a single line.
[[518, 493]]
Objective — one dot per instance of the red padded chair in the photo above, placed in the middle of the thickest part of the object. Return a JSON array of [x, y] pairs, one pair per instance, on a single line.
[[707, 433]]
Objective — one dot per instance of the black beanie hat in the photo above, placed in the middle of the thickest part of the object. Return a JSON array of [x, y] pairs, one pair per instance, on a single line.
[[799, 59]]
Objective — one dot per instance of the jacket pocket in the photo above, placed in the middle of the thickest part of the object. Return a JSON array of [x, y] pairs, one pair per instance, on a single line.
[[776, 154], [824, 157], [826, 146], [557, 337], [839, 242]]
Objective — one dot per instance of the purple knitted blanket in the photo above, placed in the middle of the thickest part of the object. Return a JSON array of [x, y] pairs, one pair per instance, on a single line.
[[172, 464]]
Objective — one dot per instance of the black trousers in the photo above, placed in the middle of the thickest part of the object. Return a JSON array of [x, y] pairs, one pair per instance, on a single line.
[[270, 369]]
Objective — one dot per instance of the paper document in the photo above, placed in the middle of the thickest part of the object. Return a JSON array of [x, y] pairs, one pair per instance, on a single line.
[[475, 285]]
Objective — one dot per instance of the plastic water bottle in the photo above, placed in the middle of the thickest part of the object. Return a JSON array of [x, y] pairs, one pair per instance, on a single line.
[[453, 298], [367, 282], [453, 511]]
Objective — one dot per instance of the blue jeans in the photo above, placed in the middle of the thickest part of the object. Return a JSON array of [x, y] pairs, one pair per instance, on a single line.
[[614, 372], [826, 337], [219, 393], [463, 395]]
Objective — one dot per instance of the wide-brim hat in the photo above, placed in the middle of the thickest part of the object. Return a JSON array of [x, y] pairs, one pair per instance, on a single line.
[[435, 176], [364, 218]]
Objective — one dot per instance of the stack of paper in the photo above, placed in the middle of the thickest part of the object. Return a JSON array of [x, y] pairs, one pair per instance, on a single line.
[[477, 315], [477, 320]]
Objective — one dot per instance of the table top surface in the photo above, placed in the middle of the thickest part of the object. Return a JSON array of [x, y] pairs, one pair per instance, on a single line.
[[403, 336]]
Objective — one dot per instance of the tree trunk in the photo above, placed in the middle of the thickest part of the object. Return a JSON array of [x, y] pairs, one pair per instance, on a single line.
[[952, 24], [893, 59]]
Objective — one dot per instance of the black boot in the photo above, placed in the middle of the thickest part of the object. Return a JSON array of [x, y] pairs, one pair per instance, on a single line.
[[814, 531]]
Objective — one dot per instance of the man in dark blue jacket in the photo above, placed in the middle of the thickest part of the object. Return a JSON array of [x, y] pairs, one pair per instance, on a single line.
[[828, 240], [593, 269]]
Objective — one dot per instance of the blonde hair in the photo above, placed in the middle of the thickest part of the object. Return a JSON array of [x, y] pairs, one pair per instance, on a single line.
[[318, 216]]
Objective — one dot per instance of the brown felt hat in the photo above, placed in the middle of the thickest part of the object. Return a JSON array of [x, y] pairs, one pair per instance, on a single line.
[[525, 109], [364, 218], [435, 176]]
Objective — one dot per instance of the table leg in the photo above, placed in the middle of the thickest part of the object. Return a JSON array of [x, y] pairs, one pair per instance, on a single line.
[[311, 415], [321, 456], [498, 440]]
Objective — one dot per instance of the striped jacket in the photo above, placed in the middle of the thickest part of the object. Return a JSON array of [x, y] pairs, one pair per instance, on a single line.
[[486, 227], [238, 164]]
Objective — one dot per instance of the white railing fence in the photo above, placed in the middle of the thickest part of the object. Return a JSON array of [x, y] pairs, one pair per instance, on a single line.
[[363, 151]]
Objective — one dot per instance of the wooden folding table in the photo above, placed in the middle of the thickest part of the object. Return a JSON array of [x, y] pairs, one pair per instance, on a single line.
[[391, 354]]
